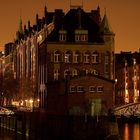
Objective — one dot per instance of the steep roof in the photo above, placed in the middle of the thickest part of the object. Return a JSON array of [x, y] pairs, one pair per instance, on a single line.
[[73, 20], [105, 26]]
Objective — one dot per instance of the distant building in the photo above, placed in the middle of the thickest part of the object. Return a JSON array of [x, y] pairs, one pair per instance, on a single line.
[[127, 77], [9, 48]]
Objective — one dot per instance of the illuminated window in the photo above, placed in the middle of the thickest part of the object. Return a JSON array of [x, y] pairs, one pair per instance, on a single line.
[[67, 57], [66, 72]]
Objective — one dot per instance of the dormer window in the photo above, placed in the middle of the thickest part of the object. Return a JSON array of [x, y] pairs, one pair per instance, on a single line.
[[81, 35], [62, 35]]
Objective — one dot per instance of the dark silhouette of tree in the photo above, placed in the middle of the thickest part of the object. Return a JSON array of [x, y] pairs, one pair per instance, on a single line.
[[28, 89], [10, 87]]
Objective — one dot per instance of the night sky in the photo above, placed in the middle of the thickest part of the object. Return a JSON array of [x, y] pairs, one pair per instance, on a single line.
[[123, 15]]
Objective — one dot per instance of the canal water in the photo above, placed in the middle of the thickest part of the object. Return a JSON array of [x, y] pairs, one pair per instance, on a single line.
[[129, 130]]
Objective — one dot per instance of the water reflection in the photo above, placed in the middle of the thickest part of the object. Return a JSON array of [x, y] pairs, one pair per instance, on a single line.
[[129, 131]]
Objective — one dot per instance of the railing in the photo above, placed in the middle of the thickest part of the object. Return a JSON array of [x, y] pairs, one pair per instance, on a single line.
[[131, 109]]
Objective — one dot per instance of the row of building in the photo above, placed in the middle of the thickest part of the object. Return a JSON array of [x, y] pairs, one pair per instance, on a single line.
[[66, 63]]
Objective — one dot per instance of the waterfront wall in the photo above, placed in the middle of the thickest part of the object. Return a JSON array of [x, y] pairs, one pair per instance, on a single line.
[[44, 126]]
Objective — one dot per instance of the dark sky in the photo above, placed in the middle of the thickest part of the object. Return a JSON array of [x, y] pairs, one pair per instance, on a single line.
[[123, 15]]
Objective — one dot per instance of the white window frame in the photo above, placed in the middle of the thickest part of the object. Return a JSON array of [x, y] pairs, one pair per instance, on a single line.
[[62, 37], [86, 58], [77, 37], [56, 57], [72, 89], [95, 58], [75, 58], [100, 89], [67, 57], [81, 37], [92, 87], [74, 72], [80, 89]]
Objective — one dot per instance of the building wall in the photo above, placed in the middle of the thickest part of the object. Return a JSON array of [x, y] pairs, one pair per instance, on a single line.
[[125, 64], [102, 50], [62, 99]]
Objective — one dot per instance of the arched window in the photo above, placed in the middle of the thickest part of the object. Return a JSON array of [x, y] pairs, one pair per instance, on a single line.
[[68, 56], [74, 72], [66, 72], [76, 57], [57, 56], [87, 57], [95, 57]]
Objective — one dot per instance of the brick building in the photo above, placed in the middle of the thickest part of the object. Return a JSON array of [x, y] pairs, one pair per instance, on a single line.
[[80, 47], [67, 60], [127, 77]]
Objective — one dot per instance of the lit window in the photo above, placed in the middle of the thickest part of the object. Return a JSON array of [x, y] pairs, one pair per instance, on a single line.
[[66, 72], [67, 57]]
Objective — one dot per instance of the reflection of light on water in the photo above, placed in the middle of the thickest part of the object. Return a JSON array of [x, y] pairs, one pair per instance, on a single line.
[[132, 131], [126, 132], [136, 131]]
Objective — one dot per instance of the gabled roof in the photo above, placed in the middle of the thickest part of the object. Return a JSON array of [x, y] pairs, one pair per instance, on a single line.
[[94, 76]]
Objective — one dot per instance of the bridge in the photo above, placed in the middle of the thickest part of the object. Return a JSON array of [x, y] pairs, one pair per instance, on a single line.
[[130, 109]]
